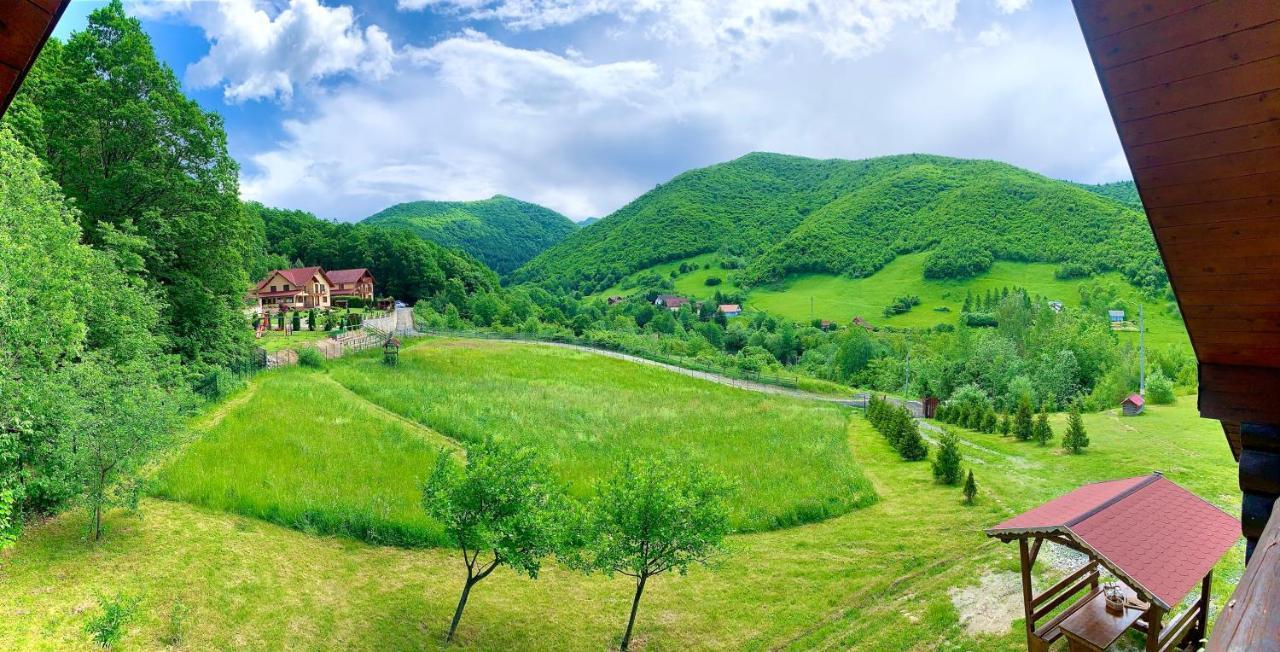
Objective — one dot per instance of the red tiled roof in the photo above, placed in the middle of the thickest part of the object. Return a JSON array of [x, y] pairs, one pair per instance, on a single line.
[[280, 293], [347, 275], [295, 276], [671, 300], [1159, 537], [1136, 399]]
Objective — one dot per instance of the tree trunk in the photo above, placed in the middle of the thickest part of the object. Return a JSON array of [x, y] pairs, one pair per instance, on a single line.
[[97, 520], [457, 614], [635, 606]]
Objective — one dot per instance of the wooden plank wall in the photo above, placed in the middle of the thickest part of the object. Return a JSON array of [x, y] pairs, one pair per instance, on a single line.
[[24, 27], [1194, 89]]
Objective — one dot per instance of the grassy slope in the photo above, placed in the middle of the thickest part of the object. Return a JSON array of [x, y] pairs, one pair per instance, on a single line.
[[302, 453], [585, 411], [874, 579]]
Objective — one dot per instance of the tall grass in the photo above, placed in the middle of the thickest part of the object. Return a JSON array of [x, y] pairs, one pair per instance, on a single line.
[[790, 458], [304, 453]]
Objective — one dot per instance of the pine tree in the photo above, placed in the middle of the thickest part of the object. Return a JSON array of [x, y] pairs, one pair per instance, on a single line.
[[989, 423], [910, 446], [946, 466], [1042, 433], [970, 489], [1022, 427], [1076, 439], [1005, 426]]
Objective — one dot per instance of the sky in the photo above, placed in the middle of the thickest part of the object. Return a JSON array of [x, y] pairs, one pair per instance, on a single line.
[[345, 107]]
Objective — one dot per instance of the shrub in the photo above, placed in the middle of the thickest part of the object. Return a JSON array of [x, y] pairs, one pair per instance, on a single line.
[[1022, 426], [311, 319], [1159, 388], [713, 280], [980, 320], [175, 625], [310, 357], [297, 321], [1076, 440], [970, 489], [1041, 432], [107, 627], [946, 465]]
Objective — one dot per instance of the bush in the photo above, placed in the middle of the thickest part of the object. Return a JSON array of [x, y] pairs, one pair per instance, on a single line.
[[946, 466], [1041, 432], [901, 305], [970, 489], [107, 627], [1159, 388], [297, 322], [1076, 440], [713, 280], [980, 320], [310, 357], [1068, 271]]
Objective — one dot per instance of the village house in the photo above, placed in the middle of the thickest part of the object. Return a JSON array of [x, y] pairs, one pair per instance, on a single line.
[[299, 288], [615, 299], [730, 309], [670, 302], [351, 284]]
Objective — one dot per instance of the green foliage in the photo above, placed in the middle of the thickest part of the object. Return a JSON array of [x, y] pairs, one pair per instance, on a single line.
[[175, 625], [501, 232], [970, 489], [309, 356], [502, 506], [897, 426], [403, 265], [653, 515], [1121, 191], [713, 281], [1075, 439], [1042, 432], [1023, 428], [901, 305], [946, 464], [786, 215], [107, 627], [1159, 388], [150, 173]]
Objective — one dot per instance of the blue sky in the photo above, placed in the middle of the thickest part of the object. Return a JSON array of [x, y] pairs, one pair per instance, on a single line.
[[343, 107]]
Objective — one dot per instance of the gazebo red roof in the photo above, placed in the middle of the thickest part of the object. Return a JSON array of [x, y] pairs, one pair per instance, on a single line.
[[1159, 537]]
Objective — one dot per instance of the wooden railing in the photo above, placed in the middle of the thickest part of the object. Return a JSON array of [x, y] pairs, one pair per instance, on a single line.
[[1251, 619]]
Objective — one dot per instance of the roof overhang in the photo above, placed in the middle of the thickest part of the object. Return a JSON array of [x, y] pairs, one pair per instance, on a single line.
[[25, 26]]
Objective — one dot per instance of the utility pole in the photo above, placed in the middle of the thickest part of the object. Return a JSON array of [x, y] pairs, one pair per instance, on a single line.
[[810, 310], [906, 387], [1142, 352]]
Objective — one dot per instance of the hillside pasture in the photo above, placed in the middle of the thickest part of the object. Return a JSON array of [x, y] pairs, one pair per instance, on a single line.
[[303, 452], [886, 577], [584, 411], [841, 298]]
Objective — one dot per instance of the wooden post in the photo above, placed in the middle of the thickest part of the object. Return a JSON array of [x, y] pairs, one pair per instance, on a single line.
[[1259, 479], [1025, 556], [1154, 616], [1201, 629]]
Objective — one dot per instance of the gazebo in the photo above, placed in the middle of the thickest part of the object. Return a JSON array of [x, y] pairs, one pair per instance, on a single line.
[[1158, 540]]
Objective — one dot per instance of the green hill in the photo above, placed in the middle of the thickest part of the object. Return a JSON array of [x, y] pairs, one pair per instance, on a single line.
[[783, 215], [501, 232]]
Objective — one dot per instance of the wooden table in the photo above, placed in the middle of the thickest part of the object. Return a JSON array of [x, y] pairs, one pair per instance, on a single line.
[[1093, 628]]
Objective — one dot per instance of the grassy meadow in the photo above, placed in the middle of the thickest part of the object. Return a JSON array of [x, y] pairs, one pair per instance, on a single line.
[[788, 457], [890, 576], [300, 452]]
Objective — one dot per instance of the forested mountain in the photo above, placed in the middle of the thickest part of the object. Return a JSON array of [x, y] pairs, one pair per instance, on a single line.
[[587, 222], [403, 265], [786, 214], [1123, 191], [502, 232]]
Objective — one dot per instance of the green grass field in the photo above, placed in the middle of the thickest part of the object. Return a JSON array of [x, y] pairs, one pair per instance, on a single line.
[[804, 297], [879, 578], [584, 411], [299, 451]]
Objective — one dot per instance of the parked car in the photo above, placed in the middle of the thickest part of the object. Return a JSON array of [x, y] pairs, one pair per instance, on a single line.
[[400, 304]]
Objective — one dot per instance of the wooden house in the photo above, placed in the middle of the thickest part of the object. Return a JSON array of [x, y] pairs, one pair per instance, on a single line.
[[1132, 405], [670, 302], [730, 309], [615, 299], [299, 288], [351, 284]]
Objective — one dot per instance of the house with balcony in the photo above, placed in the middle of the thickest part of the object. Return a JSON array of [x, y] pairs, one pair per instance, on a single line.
[[300, 288], [351, 284]]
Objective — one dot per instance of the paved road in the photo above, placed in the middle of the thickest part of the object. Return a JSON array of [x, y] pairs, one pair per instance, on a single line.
[[399, 322]]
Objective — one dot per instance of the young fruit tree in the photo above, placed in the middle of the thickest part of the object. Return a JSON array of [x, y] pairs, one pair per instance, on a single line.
[[946, 466], [970, 489], [1075, 439], [654, 515], [501, 508]]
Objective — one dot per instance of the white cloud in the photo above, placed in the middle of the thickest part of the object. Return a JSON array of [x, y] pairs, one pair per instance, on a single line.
[[1011, 6], [589, 128], [257, 56]]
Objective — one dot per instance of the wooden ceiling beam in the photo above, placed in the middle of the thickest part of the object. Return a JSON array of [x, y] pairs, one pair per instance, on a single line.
[[1196, 25], [1232, 50], [1112, 16], [25, 25]]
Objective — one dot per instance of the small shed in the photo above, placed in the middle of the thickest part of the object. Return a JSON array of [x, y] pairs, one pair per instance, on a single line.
[[1157, 539], [615, 299], [1132, 405], [1056, 306], [1115, 316], [730, 309]]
